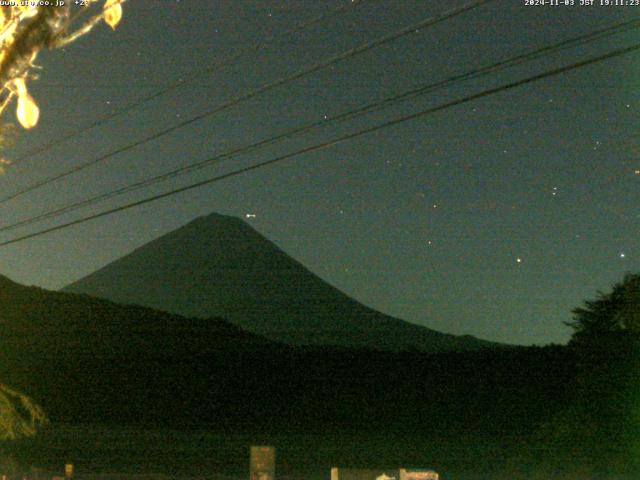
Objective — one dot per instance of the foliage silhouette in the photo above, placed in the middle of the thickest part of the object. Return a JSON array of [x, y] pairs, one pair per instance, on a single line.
[[612, 317]]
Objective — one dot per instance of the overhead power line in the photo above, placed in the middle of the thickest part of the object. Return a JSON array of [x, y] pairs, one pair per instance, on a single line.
[[422, 90], [251, 49], [267, 87], [344, 138]]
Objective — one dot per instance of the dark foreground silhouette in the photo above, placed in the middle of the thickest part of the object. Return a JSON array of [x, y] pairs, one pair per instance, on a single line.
[[557, 411]]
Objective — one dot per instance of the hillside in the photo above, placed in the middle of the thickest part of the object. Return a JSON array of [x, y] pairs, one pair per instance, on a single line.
[[93, 362], [90, 360], [220, 266], [87, 359]]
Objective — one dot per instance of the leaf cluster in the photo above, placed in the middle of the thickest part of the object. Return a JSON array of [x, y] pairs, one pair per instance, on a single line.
[[27, 29], [19, 415]]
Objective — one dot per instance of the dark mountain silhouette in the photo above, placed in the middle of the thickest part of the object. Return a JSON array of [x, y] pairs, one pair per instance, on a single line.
[[92, 361], [220, 266], [35, 321], [86, 359]]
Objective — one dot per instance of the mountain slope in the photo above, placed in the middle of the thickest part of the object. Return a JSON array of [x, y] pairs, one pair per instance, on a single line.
[[34, 321], [220, 266], [91, 361]]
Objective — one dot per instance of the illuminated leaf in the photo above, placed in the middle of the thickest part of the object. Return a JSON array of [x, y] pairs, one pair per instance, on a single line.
[[112, 12], [28, 112]]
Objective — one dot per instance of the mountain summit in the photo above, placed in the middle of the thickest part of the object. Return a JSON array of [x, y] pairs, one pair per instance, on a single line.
[[219, 266]]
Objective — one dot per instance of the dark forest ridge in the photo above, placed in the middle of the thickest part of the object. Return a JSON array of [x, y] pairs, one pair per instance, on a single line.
[[39, 322], [88, 360], [92, 361], [220, 266]]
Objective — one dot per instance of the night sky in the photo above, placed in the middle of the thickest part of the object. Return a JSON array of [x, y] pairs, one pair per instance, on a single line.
[[493, 218]]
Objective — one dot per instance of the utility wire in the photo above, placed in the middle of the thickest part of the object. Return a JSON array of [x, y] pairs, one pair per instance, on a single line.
[[253, 48], [344, 138], [269, 86], [476, 73]]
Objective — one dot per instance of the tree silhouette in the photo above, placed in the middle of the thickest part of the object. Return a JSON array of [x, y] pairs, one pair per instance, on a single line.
[[613, 316]]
